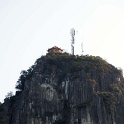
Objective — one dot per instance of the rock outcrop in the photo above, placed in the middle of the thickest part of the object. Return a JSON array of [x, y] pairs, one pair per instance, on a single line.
[[66, 89]]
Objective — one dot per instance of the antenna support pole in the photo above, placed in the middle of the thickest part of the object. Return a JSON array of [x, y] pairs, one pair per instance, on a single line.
[[82, 47]]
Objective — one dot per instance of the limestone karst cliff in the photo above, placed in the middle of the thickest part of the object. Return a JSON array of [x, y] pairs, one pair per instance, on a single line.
[[66, 89]]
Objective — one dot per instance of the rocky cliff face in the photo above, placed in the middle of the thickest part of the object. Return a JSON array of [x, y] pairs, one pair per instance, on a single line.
[[65, 89]]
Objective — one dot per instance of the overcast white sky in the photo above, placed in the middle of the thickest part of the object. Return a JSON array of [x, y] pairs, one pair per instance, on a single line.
[[29, 27]]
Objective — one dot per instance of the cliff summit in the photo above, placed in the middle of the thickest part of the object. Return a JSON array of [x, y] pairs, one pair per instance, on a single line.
[[66, 89]]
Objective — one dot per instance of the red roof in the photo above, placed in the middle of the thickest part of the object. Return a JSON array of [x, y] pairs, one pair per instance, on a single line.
[[55, 47]]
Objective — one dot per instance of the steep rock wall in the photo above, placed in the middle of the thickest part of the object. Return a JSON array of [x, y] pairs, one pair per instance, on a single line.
[[53, 95]]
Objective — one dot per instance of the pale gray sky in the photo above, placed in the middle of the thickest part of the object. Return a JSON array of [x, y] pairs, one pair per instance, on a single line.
[[29, 27]]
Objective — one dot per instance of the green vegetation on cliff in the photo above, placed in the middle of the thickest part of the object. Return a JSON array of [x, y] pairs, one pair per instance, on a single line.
[[67, 63]]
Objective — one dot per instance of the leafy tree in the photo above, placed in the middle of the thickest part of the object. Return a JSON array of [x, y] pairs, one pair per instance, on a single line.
[[24, 75], [21, 80], [8, 96]]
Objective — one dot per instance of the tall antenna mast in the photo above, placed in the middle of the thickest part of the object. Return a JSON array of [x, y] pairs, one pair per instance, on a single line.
[[72, 32]]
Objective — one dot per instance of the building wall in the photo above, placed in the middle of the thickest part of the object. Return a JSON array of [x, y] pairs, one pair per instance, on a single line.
[[55, 51]]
